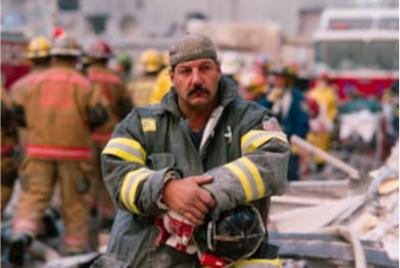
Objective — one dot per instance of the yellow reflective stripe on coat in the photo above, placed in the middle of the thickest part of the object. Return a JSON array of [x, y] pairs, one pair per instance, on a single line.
[[243, 180], [249, 177], [259, 263], [255, 138], [130, 186], [126, 149], [256, 176]]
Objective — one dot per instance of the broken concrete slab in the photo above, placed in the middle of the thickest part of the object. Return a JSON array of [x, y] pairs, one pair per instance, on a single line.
[[286, 202], [310, 219], [327, 247]]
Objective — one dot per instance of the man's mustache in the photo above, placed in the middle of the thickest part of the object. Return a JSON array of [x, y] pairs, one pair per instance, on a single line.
[[198, 89]]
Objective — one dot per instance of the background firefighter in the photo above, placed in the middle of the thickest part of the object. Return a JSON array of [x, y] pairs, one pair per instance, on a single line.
[[322, 126], [113, 91], [289, 106], [141, 86], [13, 139], [59, 109]]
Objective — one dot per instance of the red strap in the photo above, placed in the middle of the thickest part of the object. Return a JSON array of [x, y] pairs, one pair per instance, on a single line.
[[57, 152]]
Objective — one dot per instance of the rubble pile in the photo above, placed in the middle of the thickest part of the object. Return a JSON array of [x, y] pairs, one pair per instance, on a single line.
[[365, 216]]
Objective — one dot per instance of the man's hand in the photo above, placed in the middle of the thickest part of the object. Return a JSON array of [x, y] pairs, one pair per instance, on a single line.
[[188, 198]]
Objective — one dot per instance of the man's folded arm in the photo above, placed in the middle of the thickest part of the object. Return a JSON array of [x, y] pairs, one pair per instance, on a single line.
[[133, 185], [260, 171]]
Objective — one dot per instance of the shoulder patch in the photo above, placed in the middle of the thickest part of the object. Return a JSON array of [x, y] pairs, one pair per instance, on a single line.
[[148, 124]]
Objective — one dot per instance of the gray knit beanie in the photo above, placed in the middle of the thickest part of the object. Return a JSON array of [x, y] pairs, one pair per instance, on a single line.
[[192, 47]]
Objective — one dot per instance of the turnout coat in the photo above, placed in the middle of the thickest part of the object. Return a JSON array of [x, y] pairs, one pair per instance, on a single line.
[[248, 163]]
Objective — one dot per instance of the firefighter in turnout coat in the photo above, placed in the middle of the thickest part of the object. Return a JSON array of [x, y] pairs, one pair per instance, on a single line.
[[113, 91], [202, 151], [59, 109]]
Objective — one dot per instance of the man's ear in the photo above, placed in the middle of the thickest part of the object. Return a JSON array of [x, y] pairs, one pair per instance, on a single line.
[[218, 67], [171, 73]]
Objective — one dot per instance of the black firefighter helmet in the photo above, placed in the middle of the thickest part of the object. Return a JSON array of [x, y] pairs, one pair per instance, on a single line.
[[236, 235]]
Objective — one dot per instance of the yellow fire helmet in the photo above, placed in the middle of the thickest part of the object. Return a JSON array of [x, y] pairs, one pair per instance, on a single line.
[[150, 61], [39, 47]]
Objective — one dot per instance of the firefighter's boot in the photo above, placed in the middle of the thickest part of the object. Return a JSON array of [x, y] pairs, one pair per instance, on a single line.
[[18, 248], [50, 218]]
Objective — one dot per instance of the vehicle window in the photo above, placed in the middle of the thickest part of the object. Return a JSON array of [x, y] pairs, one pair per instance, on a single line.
[[348, 55], [350, 23], [341, 55], [383, 55], [388, 24]]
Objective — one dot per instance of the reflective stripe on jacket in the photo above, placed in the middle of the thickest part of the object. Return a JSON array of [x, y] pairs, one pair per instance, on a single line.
[[57, 152]]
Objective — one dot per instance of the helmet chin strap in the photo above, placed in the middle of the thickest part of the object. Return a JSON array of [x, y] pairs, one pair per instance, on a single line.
[[210, 235]]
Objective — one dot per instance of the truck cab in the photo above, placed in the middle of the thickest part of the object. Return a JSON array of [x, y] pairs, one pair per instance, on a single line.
[[359, 48]]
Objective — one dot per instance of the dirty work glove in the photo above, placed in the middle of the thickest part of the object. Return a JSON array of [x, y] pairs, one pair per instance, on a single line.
[[175, 231]]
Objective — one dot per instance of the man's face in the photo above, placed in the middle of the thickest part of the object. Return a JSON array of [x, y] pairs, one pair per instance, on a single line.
[[279, 81], [196, 83]]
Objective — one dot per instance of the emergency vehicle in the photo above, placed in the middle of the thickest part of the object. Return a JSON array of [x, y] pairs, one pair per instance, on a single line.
[[359, 49]]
